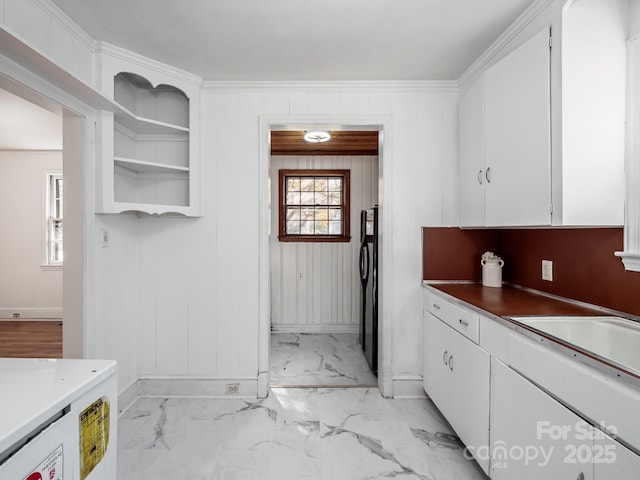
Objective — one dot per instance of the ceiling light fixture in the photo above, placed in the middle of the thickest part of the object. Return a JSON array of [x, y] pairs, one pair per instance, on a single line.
[[317, 136]]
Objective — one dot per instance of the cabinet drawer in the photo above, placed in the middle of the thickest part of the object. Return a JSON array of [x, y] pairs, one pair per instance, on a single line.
[[464, 321]]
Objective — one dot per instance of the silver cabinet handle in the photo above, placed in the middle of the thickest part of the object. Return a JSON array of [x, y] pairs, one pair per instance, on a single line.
[[487, 176], [480, 176], [451, 363], [444, 357], [464, 323], [436, 306]]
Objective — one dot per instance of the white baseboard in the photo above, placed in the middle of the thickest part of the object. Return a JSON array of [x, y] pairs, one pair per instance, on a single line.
[[315, 328], [31, 313], [408, 387], [186, 387], [128, 396]]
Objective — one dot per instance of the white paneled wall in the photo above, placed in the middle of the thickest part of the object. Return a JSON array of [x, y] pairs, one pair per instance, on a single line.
[[315, 287]]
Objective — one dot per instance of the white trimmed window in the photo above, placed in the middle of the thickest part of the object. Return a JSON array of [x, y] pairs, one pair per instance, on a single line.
[[53, 219]]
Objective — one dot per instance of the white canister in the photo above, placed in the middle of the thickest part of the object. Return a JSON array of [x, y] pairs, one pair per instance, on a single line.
[[492, 272]]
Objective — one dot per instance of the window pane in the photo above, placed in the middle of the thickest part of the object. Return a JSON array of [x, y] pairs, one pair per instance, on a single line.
[[293, 198], [293, 214], [307, 214], [306, 184], [321, 227], [306, 227], [335, 184], [335, 198], [293, 184], [335, 228], [321, 184], [322, 198], [307, 198], [322, 214], [335, 214], [56, 230], [293, 227]]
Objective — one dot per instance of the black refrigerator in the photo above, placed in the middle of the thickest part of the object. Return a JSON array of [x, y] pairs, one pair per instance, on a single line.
[[369, 260]]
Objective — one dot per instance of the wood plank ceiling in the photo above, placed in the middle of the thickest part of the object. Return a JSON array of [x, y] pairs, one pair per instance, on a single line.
[[342, 142]]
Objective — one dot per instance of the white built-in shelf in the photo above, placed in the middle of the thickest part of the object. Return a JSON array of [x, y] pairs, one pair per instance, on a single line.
[[146, 126], [141, 166], [149, 139]]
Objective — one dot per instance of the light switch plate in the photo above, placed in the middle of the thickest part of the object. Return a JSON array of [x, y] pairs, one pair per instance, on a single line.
[[547, 270]]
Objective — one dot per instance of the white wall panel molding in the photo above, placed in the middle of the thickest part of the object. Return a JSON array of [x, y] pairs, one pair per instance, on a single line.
[[196, 386], [351, 86]]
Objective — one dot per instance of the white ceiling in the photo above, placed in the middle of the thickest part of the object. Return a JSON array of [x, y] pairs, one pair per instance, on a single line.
[[302, 40], [278, 40]]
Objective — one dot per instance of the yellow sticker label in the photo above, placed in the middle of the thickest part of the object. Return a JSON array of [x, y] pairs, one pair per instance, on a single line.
[[94, 435]]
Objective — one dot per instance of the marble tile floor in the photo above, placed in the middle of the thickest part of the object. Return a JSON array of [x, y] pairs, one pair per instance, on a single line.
[[294, 433], [313, 360]]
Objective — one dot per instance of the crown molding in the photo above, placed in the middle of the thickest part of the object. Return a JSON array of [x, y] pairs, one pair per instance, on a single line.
[[509, 34], [72, 27], [329, 86], [105, 48]]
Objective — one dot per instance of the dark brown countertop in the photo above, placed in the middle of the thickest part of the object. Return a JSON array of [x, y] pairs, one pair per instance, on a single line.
[[511, 301]]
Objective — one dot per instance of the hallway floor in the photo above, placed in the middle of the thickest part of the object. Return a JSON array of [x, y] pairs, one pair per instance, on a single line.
[[319, 360], [314, 433]]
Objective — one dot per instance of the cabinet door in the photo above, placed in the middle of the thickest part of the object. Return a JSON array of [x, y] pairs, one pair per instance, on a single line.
[[532, 435], [518, 136], [612, 461], [456, 377], [472, 179]]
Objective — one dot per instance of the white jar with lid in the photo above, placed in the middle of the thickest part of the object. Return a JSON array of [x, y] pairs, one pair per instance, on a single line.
[[491, 270]]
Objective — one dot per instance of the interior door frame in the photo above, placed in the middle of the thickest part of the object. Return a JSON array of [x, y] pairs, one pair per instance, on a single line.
[[380, 123], [77, 152]]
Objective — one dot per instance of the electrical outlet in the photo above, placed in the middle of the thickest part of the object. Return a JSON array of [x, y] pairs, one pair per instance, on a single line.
[[547, 270], [232, 388]]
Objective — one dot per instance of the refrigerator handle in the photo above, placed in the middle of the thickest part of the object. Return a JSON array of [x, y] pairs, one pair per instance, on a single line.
[[364, 262]]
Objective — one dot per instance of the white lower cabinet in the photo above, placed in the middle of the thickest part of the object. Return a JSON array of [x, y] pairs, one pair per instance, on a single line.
[[532, 435], [507, 402], [456, 378], [613, 461]]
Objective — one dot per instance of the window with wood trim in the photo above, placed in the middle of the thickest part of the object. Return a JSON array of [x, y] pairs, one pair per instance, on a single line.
[[314, 206]]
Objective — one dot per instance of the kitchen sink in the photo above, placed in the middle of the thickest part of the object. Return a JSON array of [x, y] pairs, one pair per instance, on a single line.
[[612, 338]]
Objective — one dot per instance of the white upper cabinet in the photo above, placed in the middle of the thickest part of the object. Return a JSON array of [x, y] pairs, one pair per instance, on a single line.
[[149, 145], [505, 152], [542, 129], [518, 136], [472, 172]]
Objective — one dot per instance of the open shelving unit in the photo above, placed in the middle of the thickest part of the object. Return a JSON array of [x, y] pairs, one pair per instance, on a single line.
[[148, 148]]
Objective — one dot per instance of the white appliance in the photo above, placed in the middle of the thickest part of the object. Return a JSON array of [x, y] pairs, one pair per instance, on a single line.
[[58, 419]]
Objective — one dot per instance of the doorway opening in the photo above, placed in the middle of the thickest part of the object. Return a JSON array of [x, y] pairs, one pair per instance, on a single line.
[[311, 302], [44, 244]]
